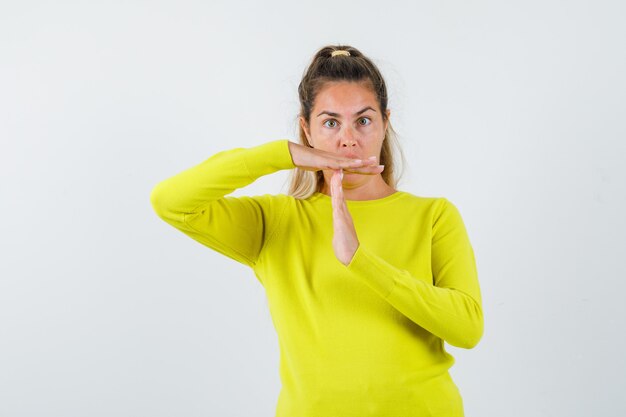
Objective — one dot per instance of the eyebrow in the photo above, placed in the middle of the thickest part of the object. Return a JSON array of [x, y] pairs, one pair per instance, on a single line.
[[337, 114]]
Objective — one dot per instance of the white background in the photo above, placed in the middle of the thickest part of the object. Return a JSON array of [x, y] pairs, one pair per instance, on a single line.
[[514, 111]]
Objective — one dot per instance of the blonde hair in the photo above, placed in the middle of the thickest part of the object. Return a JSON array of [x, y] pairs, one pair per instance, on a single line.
[[326, 67]]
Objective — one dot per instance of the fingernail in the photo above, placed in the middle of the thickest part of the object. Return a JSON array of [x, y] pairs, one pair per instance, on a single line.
[[341, 175]]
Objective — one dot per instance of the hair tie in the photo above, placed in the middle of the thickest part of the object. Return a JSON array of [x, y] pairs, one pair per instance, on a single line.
[[340, 52]]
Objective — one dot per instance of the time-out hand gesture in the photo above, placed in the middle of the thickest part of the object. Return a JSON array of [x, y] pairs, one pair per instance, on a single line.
[[345, 241]]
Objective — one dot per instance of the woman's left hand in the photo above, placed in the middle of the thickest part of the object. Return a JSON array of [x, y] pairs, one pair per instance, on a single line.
[[345, 241]]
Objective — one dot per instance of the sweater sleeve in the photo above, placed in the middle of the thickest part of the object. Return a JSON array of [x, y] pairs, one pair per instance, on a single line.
[[194, 201], [450, 307]]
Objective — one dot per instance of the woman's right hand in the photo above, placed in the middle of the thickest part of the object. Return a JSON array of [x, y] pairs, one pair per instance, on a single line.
[[311, 159]]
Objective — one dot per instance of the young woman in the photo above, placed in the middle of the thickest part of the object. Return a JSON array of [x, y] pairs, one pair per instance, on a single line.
[[364, 282]]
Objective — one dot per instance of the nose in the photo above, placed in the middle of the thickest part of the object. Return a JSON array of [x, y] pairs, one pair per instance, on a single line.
[[347, 139]]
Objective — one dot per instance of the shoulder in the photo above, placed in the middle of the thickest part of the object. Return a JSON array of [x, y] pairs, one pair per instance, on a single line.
[[435, 207], [427, 203]]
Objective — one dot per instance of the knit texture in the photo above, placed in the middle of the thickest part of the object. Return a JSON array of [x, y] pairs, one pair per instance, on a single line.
[[363, 339]]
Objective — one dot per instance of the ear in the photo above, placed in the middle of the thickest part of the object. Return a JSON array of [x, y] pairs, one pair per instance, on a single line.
[[307, 133]]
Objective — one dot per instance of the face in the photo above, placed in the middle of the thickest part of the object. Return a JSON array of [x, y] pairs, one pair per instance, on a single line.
[[346, 119]]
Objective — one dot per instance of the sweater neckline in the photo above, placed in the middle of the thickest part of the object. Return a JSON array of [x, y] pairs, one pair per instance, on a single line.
[[359, 203]]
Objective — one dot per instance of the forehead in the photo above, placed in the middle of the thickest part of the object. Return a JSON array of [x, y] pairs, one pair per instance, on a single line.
[[345, 94]]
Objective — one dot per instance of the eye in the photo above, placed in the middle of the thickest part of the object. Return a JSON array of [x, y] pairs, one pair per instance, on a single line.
[[332, 121], [368, 121]]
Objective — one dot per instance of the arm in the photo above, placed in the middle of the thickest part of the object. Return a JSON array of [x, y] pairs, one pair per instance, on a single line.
[[194, 201], [451, 307]]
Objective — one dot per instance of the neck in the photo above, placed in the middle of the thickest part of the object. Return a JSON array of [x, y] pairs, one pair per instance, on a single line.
[[365, 189]]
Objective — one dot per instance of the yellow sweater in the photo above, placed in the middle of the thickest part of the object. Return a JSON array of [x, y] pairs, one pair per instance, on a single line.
[[363, 339]]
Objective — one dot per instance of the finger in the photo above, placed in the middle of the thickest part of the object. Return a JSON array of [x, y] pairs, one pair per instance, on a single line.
[[340, 188], [353, 163], [335, 182], [337, 190], [366, 170]]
